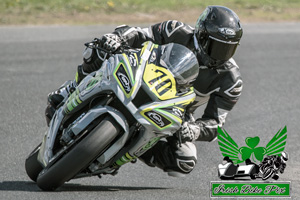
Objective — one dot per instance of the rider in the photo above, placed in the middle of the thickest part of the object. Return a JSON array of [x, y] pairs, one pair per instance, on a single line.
[[213, 40], [275, 162]]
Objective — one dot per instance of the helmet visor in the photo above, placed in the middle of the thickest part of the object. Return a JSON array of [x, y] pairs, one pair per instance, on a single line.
[[181, 62], [219, 49]]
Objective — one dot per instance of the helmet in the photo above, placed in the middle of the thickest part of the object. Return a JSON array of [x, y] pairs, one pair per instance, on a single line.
[[217, 34], [284, 156], [182, 63]]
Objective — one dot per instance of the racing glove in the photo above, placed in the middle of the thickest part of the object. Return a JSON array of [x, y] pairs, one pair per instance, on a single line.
[[189, 132], [111, 42]]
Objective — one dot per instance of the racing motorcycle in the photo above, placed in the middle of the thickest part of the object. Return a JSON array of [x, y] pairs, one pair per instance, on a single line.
[[272, 165], [115, 114]]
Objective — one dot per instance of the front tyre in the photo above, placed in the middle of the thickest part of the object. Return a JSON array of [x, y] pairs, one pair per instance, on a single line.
[[32, 165], [79, 156], [268, 173]]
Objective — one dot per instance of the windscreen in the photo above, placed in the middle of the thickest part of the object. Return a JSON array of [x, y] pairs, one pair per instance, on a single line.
[[181, 62]]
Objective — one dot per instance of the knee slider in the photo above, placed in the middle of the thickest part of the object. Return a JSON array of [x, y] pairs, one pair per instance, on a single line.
[[186, 165], [186, 157]]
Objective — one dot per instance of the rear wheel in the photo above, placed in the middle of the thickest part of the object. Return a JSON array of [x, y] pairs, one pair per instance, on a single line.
[[32, 166], [252, 176], [79, 156]]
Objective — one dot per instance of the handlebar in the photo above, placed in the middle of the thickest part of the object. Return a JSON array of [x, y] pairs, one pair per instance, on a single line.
[[97, 44]]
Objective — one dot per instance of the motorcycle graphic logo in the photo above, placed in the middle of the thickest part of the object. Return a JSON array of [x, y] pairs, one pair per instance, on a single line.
[[124, 81], [260, 162], [157, 119]]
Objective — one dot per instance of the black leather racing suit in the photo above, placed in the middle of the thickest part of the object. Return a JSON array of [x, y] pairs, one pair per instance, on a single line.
[[219, 87]]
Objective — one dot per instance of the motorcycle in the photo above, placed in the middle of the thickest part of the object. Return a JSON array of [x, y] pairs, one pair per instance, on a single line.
[[115, 114], [270, 169]]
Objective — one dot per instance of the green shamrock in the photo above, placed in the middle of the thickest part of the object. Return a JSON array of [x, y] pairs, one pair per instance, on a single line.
[[258, 152]]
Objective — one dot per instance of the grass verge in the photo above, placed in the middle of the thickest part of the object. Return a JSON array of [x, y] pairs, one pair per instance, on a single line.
[[23, 12]]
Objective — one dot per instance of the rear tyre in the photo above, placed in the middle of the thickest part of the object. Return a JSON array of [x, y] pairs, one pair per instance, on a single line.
[[79, 156], [32, 166], [252, 176]]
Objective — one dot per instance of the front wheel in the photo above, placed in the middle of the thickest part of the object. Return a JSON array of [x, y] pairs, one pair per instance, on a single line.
[[267, 173], [32, 165], [79, 156]]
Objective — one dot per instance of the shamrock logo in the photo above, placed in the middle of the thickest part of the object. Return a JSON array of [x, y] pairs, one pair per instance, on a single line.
[[229, 148], [248, 152]]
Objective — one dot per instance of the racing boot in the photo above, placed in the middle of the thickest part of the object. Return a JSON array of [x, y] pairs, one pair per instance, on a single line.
[[56, 97]]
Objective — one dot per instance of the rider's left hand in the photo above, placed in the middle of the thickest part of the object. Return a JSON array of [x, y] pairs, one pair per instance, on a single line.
[[189, 132]]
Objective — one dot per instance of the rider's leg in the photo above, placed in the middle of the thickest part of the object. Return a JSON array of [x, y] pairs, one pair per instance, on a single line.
[[91, 63], [173, 158], [56, 97]]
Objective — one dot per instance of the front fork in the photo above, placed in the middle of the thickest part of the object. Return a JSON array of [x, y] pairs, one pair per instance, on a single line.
[[138, 146]]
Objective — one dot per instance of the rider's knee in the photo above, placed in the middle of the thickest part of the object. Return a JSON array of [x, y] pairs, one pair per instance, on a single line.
[[186, 157], [175, 160], [91, 61], [184, 167]]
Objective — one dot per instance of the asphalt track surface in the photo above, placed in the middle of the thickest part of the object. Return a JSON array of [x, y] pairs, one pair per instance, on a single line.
[[36, 60]]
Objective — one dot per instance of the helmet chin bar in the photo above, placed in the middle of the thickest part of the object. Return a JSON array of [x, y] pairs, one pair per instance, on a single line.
[[207, 60], [204, 57]]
